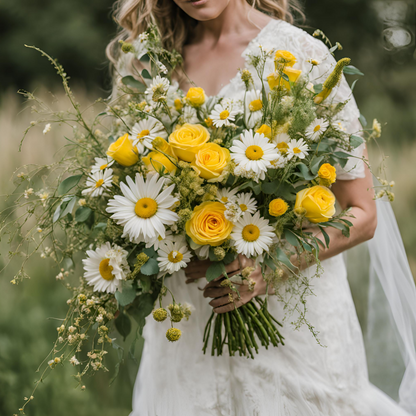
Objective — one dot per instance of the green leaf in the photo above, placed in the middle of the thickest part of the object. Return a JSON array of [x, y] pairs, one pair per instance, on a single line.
[[334, 48], [284, 190], [126, 295], [269, 262], [315, 164], [339, 226], [67, 184], [363, 121], [285, 77], [150, 267], [326, 236], [123, 325], [145, 58], [145, 74], [82, 214], [101, 226], [229, 257], [341, 155], [249, 184], [230, 180], [69, 207], [215, 270], [132, 82], [353, 84], [57, 213], [356, 141], [317, 88], [304, 172], [145, 283], [282, 257], [291, 238], [352, 70], [142, 307], [150, 252], [120, 354], [67, 263]]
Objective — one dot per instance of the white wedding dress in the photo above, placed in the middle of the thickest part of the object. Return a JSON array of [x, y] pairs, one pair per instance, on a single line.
[[301, 378]]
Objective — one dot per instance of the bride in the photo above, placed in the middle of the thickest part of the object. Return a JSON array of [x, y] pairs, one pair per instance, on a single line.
[[301, 378]]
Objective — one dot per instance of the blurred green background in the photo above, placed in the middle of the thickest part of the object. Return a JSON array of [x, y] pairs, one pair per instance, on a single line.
[[379, 37]]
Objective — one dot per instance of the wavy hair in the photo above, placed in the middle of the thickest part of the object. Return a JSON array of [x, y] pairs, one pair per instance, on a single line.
[[175, 26]]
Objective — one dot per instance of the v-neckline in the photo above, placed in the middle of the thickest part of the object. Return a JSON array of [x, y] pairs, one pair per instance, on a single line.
[[255, 39]]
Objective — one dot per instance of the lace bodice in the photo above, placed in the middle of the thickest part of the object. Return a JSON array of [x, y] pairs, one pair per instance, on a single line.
[[278, 34]]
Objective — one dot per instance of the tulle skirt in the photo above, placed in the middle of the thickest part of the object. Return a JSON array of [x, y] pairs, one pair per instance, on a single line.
[[301, 378]]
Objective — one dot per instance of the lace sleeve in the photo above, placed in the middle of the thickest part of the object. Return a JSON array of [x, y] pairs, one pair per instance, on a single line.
[[349, 116]]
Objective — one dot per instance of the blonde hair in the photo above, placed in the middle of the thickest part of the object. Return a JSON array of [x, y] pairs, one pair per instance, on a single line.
[[175, 26]]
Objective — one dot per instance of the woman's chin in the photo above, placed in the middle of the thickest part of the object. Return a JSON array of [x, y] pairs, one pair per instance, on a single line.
[[203, 10]]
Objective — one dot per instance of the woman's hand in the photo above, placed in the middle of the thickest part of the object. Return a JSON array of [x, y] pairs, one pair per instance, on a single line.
[[222, 302]]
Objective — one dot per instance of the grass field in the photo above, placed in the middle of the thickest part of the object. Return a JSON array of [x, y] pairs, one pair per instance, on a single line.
[[26, 327]]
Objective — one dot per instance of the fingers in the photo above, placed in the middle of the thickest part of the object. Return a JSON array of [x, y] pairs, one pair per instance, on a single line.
[[216, 292], [229, 307]]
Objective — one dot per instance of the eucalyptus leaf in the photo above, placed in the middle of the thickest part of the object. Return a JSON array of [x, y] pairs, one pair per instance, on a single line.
[[126, 295], [150, 267], [315, 164], [150, 252], [123, 325], [326, 236], [132, 82], [142, 307], [282, 257], [215, 270], [229, 257], [304, 172], [145, 74], [57, 214], [363, 120], [67, 184], [352, 70], [82, 214], [317, 88], [291, 238], [269, 262], [69, 207], [356, 141]]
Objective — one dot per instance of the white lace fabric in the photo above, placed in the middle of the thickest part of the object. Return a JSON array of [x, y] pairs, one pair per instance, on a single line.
[[301, 378]]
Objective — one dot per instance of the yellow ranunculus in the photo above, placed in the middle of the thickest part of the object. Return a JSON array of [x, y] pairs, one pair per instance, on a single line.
[[208, 224], [123, 152], [195, 96], [187, 140], [317, 202], [211, 160], [274, 79], [327, 173], [278, 207], [266, 130], [284, 58]]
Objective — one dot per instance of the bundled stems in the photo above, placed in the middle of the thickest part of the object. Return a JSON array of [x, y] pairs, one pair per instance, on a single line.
[[239, 329]]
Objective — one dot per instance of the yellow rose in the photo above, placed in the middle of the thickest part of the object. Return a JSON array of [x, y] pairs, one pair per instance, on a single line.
[[178, 104], [187, 140], [123, 152], [208, 224], [278, 207], [266, 130], [284, 58], [274, 79], [327, 173], [156, 160], [318, 203], [211, 160], [195, 96]]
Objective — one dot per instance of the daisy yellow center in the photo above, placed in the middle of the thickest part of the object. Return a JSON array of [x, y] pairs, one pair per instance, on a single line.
[[106, 271], [243, 207], [224, 199], [145, 208], [160, 238], [251, 233], [175, 257], [296, 150], [282, 147], [102, 167], [254, 152], [224, 114], [143, 133], [99, 183], [255, 105], [317, 128]]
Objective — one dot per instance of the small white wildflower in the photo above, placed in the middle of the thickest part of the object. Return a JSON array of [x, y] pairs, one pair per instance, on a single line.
[[72, 329], [47, 128], [74, 361], [60, 276], [100, 319], [28, 192]]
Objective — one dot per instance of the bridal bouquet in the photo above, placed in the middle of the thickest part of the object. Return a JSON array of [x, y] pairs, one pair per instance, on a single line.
[[163, 176]]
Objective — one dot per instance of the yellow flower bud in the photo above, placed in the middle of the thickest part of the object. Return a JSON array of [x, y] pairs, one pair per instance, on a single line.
[[173, 334], [278, 207], [266, 130], [123, 152], [275, 80], [195, 96], [160, 314], [284, 58], [327, 173]]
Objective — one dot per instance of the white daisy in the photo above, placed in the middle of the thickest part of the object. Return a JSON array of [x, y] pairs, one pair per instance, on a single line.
[[145, 131], [223, 115], [202, 252], [233, 211], [279, 163], [106, 267], [98, 182], [159, 87], [252, 235], [173, 256], [339, 126], [101, 163], [253, 153], [189, 115], [225, 195], [145, 208], [254, 106], [281, 141], [246, 202], [297, 148], [158, 241], [316, 129]]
